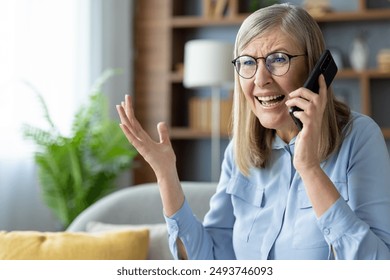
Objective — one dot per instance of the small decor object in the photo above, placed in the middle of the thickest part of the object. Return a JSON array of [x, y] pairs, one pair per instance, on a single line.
[[317, 7], [220, 8], [214, 8], [383, 59], [359, 53]]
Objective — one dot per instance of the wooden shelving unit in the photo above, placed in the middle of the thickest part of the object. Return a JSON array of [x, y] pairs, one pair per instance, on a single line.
[[162, 29], [362, 15], [198, 21], [386, 132]]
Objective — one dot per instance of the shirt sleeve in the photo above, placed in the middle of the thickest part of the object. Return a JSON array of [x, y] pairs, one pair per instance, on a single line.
[[359, 227], [185, 226], [212, 238]]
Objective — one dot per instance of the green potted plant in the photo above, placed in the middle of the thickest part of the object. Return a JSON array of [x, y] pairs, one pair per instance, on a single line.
[[75, 171]]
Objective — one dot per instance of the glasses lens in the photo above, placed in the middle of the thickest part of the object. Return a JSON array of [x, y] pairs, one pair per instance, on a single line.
[[278, 63], [246, 66]]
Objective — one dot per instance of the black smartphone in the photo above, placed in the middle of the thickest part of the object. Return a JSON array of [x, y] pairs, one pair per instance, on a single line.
[[326, 66]]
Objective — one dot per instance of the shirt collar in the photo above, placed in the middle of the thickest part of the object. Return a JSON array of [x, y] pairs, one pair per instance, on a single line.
[[278, 143]]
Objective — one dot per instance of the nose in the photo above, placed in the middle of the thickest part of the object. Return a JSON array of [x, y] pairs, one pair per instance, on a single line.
[[262, 76]]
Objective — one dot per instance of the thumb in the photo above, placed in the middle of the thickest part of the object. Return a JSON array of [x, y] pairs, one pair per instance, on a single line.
[[163, 132]]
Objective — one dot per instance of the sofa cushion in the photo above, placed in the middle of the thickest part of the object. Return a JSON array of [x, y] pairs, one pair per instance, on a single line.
[[158, 237], [33, 245]]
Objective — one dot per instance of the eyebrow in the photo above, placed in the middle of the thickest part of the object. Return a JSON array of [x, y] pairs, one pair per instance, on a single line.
[[269, 53]]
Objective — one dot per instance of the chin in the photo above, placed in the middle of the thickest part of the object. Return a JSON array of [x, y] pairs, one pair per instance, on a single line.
[[275, 122], [269, 124]]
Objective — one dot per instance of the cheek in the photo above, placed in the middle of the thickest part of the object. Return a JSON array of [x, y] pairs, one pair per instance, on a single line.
[[297, 75], [247, 89], [293, 83]]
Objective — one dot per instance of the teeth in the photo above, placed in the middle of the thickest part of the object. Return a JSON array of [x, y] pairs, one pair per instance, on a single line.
[[269, 100]]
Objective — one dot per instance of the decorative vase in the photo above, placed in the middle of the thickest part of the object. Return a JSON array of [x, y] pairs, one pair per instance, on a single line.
[[359, 54]]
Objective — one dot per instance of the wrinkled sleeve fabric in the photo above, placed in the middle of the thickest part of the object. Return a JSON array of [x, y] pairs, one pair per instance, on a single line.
[[211, 239], [359, 227]]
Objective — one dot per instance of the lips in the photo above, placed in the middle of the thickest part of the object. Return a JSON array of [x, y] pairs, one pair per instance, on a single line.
[[269, 101]]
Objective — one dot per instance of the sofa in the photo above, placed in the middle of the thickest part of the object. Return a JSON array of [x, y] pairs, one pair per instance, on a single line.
[[127, 224], [140, 207]]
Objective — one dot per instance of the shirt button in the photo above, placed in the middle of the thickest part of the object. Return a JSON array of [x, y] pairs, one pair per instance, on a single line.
[[326, 231]]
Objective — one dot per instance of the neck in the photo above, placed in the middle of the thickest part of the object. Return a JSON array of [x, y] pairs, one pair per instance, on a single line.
[[288, 134]]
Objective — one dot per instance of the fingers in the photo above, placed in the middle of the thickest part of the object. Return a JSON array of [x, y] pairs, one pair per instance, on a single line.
[[129, 107], [307, 94], [130, 136], [126, 127], [323, 92], [303, 97], [126, 114], [312, 104], [123, 117], [133, 130], [163, 133], [129, 124], [121, 113]]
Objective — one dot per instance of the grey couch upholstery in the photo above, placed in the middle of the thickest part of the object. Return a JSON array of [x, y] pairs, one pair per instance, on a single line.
[[141, 204]]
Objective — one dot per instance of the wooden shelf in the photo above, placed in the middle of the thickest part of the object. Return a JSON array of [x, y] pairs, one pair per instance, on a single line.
[[370, 74], [386, 133], [368, 14], [199, 21]]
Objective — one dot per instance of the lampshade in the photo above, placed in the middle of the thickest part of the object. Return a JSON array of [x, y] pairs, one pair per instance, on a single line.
[[207, 63]]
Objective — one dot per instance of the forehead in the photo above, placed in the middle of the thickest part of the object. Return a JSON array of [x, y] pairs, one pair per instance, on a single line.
[[271, 41]]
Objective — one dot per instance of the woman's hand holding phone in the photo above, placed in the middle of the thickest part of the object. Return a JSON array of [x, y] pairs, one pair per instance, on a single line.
[[325, 66], [313, 106]]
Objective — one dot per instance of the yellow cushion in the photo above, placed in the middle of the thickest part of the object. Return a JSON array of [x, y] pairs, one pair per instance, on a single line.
[[33, 245]]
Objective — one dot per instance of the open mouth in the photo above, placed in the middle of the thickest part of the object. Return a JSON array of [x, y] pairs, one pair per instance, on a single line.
[[269, 101]]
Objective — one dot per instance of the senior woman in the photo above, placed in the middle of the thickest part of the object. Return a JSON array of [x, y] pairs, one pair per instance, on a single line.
[[319, 193]]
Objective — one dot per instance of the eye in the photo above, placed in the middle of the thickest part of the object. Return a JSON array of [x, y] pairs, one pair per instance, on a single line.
[[277, 58], [247, 61]]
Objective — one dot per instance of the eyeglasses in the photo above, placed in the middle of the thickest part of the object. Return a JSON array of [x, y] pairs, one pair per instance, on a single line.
[[277, 64]]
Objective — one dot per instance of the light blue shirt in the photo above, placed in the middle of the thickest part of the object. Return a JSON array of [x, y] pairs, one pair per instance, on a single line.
[[268, 214]]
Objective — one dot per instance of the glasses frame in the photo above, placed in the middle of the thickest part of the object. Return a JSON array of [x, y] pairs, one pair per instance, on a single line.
[[266, 66]]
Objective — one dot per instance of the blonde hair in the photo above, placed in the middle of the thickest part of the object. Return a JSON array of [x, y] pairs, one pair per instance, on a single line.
[[253, 142]]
